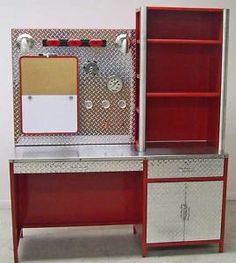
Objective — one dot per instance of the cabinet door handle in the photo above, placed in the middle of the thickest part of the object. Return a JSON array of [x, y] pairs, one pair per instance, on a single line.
[[183, 211], [188, 213]]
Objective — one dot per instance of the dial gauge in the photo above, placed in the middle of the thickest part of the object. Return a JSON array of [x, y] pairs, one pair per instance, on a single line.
[[114, 84]]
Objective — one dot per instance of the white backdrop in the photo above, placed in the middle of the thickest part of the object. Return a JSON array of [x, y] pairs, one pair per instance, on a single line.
[[91, 14]]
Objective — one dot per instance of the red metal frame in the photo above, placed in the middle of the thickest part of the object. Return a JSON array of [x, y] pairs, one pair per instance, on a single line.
[[74, 199], [16, 229], [144, 229], [77, 84], [137, 31]]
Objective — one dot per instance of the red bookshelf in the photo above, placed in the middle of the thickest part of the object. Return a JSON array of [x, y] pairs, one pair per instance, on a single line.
[[183, 75]]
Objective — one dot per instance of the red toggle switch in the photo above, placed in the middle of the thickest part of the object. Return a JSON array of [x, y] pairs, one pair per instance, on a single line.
[[96, 43], [74, 43], [53, 42]]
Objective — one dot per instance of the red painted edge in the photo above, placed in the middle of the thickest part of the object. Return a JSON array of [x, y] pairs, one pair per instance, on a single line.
[[184, 243], [130, 222], [191, 179], [21, 114], [222, 232]]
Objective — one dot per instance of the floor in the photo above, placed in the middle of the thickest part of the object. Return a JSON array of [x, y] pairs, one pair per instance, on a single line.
[[106, 244]]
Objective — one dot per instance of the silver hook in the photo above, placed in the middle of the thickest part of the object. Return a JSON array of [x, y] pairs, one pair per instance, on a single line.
[[25, 42], [122, 42]]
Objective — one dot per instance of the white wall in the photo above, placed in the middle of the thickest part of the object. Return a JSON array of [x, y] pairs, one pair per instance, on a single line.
[[90, 14]]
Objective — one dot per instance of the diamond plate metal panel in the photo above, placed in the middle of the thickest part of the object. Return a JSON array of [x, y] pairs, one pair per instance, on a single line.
[[164, 222], [204, 200], [173, 168], [97, 125], [40, 167]]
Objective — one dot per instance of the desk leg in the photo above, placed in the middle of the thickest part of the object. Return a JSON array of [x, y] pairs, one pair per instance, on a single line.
[[222, 234], [16, 230], [144, 215], [144, 251]]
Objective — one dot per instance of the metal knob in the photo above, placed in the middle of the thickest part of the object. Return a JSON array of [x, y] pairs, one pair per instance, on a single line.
[[91, 68], [88, 104], [106, 104]]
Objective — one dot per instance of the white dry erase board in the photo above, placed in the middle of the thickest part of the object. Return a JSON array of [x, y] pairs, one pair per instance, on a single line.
[[49, 94]]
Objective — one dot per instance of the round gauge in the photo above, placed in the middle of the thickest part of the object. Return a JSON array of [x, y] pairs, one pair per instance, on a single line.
[[114, 84]]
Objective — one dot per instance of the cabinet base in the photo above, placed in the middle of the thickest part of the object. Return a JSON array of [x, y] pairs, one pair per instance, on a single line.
[[182, 243]]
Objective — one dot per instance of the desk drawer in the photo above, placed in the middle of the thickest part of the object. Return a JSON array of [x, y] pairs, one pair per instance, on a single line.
[[37, 167], [174, 168]]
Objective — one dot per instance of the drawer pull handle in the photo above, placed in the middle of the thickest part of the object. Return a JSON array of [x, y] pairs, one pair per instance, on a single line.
[[185, 169], [80, 167]]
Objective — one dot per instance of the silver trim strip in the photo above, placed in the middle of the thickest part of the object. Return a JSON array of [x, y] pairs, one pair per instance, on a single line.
[[121, 158], [223, 80], [142, 73], [76, 167]]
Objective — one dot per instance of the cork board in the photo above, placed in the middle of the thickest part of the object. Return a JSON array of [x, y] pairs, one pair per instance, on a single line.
[[49, 75], [49, 94]]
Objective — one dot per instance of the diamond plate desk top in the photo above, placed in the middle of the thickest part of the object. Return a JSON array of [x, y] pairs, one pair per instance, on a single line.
[[101, 152]]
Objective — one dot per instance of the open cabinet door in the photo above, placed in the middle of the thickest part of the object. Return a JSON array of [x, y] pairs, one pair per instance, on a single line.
[[49, 94]]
